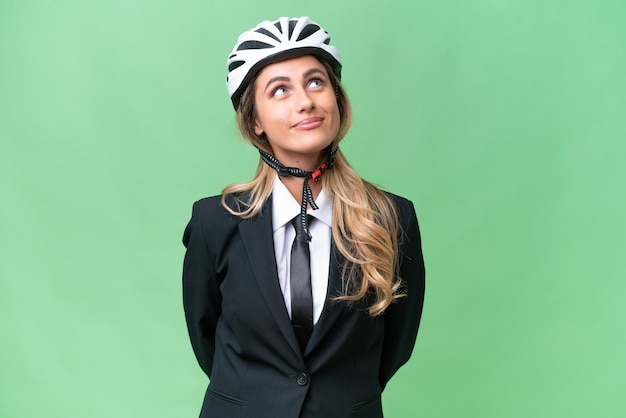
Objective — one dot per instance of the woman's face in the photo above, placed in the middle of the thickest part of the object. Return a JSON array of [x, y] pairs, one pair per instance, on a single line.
[[297, 110]]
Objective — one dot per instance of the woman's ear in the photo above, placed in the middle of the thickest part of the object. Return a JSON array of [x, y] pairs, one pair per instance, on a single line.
[[258, 130]]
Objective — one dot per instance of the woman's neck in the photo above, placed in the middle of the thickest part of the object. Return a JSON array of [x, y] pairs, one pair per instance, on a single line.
[[306, 162]]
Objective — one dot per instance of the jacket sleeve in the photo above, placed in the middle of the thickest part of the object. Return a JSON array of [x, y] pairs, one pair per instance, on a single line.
[[201, 294], [402, 318]]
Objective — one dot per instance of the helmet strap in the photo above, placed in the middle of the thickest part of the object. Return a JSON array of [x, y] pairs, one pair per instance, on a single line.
[[307, 193]]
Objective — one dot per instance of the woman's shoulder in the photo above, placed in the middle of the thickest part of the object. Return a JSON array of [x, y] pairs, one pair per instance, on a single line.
[[211, 210], [215, 204], [209, 218], [209, 202], [208, 206], [403, 205]]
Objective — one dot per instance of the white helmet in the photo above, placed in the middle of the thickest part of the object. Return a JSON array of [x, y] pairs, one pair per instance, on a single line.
[[274, 41]]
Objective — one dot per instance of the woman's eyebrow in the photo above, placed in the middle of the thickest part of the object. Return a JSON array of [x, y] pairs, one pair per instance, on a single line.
[[312, 71], [275, 79]]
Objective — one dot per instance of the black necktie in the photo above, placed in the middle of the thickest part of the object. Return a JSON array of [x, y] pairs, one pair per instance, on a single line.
[[301, 294]]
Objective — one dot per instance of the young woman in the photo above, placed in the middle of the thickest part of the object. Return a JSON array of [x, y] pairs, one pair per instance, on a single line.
[[303, 288]]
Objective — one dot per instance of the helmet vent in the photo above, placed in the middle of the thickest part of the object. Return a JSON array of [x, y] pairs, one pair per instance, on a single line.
[[267, 33], [235, 64], [308, 31], [292, 25], [253, 45]]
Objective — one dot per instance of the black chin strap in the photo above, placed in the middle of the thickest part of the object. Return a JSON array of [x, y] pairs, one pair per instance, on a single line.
[[307, 194]]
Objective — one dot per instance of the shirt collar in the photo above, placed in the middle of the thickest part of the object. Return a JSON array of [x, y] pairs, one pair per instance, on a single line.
[[285, 207]]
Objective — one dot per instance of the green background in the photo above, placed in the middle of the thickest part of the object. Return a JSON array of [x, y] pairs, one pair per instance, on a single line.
[[502, 120]]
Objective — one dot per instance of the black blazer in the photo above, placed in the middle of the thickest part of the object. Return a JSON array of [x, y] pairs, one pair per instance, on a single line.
[[242, 335]]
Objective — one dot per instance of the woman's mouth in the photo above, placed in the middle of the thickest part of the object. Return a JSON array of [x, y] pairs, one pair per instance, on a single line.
[[309, 123]]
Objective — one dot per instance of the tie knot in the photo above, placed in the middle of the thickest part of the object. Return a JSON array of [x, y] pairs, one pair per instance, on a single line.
[[299, 226]]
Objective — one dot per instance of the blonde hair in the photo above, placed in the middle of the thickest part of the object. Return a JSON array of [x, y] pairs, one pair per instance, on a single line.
[[364, 223]]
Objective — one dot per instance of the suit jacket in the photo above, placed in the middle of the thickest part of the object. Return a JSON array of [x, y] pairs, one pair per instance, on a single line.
[[243, 338]]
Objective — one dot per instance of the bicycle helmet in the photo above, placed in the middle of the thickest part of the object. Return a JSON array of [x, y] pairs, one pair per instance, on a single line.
[[271, 42]]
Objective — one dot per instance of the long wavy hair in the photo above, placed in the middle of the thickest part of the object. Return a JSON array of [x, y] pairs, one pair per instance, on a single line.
[[365, 225]]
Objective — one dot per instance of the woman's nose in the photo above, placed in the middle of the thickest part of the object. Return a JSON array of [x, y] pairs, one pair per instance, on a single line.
[[304, 101]]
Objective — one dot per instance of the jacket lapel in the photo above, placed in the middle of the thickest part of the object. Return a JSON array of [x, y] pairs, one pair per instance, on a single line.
[[258, 238]]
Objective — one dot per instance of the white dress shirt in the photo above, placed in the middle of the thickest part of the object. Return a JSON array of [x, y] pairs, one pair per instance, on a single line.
[[284, 209]]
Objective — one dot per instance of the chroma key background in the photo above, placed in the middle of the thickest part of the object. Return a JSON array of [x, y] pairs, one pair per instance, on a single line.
[[502, 120]]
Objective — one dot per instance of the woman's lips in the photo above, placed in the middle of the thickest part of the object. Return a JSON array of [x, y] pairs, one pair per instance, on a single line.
[[309, 123]]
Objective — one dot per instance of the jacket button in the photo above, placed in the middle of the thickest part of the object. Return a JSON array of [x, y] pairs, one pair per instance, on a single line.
[[302, 379]]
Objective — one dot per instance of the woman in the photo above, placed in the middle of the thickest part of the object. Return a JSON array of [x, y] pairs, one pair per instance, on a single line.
[[303, 288]]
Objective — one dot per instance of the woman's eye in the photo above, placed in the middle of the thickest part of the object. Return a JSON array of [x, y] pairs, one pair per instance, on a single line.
[[316, 82], [279, 91]]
